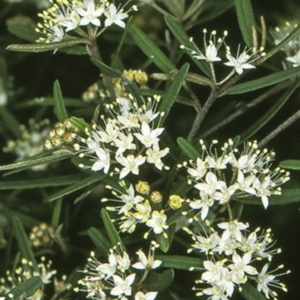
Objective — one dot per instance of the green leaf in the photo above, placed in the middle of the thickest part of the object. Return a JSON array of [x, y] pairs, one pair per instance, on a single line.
[[151, 50], [246, 19], [28, 288], [263, 81], [23, 242], [291, 164], [249, 292], [167, 102], [163, 241], [99, 240], [183, 39], [40, 47], [188, 148], [180, 262], [80, 124], [159, 282], [60, 109], [288, 196], [30, 162], [40, 182], [24, 32], [111, 230], [49, 101], [11, 122], [176, 7], [77, 186], [213, 10], [105, 68], [270, 113]]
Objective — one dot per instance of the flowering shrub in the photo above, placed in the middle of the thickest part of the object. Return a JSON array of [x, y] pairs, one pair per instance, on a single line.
[[138, 189]]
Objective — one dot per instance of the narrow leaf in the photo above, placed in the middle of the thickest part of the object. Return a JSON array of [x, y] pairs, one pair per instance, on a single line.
[[249, 292], [246, 19], [291, 164], [99, 240], [270, 113], [28, 288], [263, 81], [23, 242], [287, 196], [105, 68], [110, 229], [60, 109], [40, 182], [159, 282], [11, 122], [180, 262], [184, 39], [167, 102], [80, 124], [45, 47], [26, 164], [77, 186], [24, 32], [151, 50], [188, 148], [163, 241]]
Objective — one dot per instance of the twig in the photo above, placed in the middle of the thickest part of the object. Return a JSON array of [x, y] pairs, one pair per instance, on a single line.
[[280, 128], [201, 115], [245, 108]]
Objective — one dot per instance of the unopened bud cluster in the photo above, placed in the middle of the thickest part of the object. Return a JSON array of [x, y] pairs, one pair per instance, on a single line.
[[61, 136]]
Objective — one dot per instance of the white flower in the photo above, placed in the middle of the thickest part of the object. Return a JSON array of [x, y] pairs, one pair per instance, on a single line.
[[113, 16], [146, 263], [211, 49], [214, 271], [210, 185], [263, 189], [224, 194], [130, 163], [147, 136], [129, 200], [198, 170], [218, 163], [240, 266], [232, 229], [295, 60], [266, 281], [90, 13], [110, 268], [216, 293], [124, 142], [204, 203], [158, 222], [240, 62], [122, 286], [148, 296], [154, 156], [103, 161]]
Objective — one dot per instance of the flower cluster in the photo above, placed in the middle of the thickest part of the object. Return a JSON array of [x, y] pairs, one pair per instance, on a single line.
[[116, 279], [139, 206], [232, 255], [292, 49], [212, 45], [26, 271], [65, 16], [97, 95], [31, 141], [130, 138], [232, 175]]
